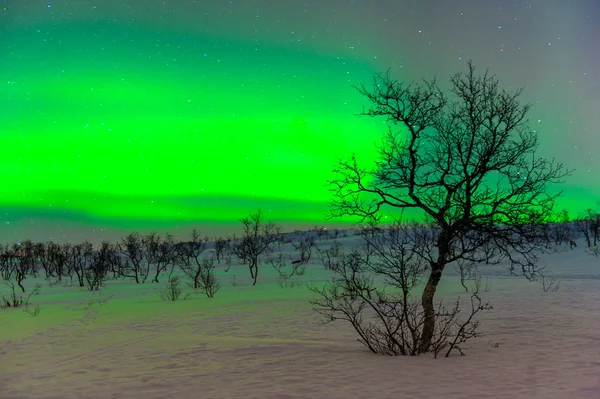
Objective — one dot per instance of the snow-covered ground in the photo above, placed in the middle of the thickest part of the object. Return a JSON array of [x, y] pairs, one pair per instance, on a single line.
[[265, 342]]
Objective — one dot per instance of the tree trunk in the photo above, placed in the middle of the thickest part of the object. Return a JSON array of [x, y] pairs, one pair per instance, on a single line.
[[253, 266], [428, 309], [255, 274], [20, 278]]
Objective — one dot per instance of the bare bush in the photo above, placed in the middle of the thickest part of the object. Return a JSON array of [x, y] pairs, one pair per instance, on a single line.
[[304, 245], [450, 333], [548, 283], [228, 261], [321, 232], [13, 300], [172, 290], [235, 282], [390, 321], [32, 310], [330, 256], [287, 276]]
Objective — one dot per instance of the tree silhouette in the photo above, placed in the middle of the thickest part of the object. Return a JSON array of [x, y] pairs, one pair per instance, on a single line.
[[466, 161], [256, 239]]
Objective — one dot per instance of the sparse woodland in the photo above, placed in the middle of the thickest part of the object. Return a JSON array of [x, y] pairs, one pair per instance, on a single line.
[[466, 159], [376, 274]]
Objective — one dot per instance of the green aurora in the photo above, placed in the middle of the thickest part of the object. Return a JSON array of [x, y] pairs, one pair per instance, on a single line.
[[109, 127]]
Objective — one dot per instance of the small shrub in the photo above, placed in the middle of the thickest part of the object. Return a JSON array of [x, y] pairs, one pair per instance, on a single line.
[[287, 282], [32, 310], [172, 290], [287, 279], [548, 283], [235, 282], [14, 300], [101, 301]]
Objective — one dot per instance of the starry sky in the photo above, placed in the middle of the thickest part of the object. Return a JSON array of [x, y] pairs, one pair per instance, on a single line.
[[171, 115]]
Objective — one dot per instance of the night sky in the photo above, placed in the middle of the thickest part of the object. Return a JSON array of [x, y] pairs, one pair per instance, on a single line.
[[170, 115]]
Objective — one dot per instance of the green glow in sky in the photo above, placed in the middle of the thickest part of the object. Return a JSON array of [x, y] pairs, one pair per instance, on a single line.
[[113, 126], [195, 133]]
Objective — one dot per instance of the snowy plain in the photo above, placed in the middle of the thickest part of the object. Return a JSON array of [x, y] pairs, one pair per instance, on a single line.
[[266, 342]]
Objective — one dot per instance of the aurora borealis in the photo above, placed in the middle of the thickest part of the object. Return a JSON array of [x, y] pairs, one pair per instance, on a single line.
[[151, 115]]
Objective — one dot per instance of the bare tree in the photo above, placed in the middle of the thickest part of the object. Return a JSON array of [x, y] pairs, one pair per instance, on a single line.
[[562, 229], [286, 277], [594, 218], [330, 257], [58, 260], [548, 283], [583, 223], [98, 265], [41, 253], [466, 164], [221, 245], [133, 248], [198, 269], [18, 261], [304, 245], [77, 259], [28, 262], [6, 262], [321, 232], [389, 321], [256, 239], [161, 252]]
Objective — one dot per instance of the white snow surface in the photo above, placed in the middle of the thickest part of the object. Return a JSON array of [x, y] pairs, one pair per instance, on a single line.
[[265, 342]]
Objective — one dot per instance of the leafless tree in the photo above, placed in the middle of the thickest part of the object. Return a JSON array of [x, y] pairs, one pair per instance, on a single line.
[[286, 277], [221, 245], [466, 163], [161, 252], [321, 232], [198, 269], [563, 230], [172, 290], [99, 262], [256, 239], [330, 256], [6, 269], [135, 253], [77, 259], [41, 253], [16, 262], [594, 218], [548, 283], [58, 260], [373, 289], [15, 301], [583, 224], [28, 262], [304, 244]]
